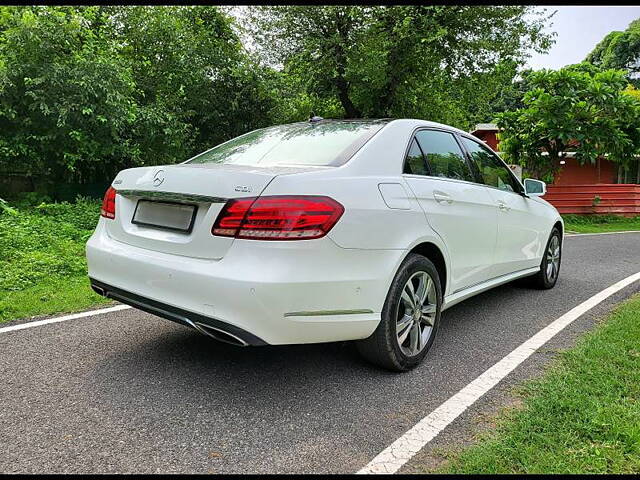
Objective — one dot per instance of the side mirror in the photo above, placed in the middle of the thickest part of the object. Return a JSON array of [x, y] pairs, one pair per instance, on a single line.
[[534, 188]]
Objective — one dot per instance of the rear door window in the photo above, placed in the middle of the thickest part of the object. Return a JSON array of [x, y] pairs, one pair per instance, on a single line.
[[414, 163], [444, 156]]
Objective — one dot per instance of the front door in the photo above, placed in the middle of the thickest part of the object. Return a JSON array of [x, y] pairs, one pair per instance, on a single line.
[[519, 242]]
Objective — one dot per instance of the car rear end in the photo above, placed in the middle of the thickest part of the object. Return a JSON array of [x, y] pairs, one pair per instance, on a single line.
[[207, 245]]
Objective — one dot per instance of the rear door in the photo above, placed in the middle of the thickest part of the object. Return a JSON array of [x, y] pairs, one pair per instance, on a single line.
[[519, 240], [461, 211]]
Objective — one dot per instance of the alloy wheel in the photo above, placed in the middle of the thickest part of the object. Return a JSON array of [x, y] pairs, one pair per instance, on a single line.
[[553, 258], [416, 313]]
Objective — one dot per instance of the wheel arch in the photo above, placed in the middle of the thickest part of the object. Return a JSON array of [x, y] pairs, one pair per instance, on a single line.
[[432, 252], [559, 226]]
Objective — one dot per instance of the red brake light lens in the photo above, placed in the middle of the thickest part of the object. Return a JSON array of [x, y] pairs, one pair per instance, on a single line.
[[278, 217], [108, 209], [230, 217]]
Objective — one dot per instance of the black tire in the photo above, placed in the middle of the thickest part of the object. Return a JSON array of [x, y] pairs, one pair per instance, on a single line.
[[542, 280], [382, 347]]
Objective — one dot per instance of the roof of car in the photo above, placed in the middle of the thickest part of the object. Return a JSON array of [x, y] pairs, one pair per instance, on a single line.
[[415, 121], [345, 120]]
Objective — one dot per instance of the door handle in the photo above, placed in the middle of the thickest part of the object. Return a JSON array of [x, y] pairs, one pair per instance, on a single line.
[[503, 206], [441, 197]]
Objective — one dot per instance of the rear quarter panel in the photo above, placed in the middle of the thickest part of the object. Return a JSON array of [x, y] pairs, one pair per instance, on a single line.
[[368, 223]]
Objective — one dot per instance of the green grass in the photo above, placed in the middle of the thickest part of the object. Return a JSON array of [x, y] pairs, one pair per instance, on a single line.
[[42, 267], [600, 223], [582, 416]]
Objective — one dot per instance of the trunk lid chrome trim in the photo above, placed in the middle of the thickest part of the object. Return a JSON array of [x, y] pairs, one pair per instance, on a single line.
[[173, 196]]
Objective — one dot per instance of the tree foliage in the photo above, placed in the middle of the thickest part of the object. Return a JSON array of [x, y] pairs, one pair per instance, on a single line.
[[632, 91], [87, 91], [619, 50], [577, 108], [67, 100], [419, 61], [190, 66]]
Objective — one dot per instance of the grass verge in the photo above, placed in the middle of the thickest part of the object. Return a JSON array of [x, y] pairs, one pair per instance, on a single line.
[[600, 223], [582, 416], [42, 267]]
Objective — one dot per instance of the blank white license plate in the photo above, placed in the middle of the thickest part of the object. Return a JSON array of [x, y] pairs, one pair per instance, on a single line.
[[170, 216]]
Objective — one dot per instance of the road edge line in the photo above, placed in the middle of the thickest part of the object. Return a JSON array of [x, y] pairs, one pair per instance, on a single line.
[[64, 318], [569, 235], [392, 458]]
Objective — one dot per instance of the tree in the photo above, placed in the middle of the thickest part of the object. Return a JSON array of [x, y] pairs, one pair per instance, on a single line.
[[197, 87], [632, 91], [576, 108], [619, 50], [66, 104], [510, 94], [88, 91], [422, 61]]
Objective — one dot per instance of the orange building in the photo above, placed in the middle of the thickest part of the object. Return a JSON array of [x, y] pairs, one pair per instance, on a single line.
[[582, 189]]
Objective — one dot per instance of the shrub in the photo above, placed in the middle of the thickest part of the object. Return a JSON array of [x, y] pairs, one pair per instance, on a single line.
[[45, 241]]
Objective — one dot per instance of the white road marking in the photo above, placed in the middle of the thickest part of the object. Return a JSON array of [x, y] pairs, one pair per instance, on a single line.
[[64, 318], [404, 448], [569, 235]]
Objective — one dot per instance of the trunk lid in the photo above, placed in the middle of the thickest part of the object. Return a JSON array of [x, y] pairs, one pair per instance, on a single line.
[[205, 186]]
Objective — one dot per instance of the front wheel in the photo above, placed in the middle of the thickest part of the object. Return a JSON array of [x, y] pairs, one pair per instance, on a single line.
[[550, 265], [410, 317]]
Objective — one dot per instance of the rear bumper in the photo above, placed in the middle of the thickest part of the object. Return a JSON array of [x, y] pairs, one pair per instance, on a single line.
[[261, 292], [209, 326]]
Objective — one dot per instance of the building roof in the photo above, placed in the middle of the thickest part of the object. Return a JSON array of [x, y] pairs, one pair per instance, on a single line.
[[486, 127]]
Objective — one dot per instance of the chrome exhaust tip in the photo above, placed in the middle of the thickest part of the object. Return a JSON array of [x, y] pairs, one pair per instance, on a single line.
[[217, 333], [99, 290]]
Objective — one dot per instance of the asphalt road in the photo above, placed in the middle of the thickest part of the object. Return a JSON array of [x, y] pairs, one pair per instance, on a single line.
[[130, 392]]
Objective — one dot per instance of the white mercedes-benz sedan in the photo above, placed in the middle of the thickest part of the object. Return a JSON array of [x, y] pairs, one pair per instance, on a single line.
[[322, 231]]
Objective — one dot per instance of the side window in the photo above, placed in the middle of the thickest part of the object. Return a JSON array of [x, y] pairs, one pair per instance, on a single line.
[[492, 171], [444, 156], [414, 163]]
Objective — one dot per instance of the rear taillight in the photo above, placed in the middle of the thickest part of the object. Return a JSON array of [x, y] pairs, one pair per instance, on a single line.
[[108, 209], [278, 217]]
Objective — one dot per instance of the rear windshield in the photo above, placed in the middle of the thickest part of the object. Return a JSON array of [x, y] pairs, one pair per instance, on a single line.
[[321, 144]]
